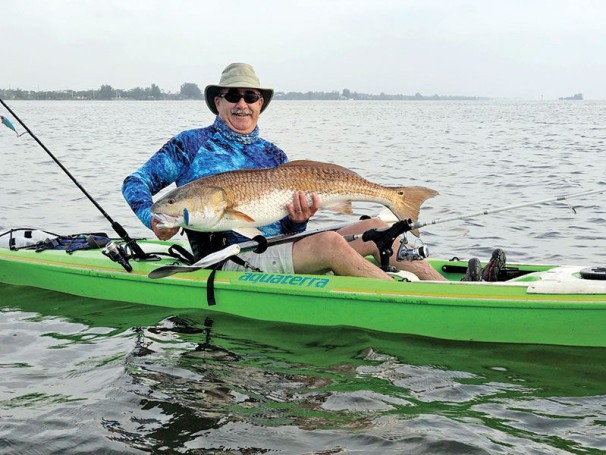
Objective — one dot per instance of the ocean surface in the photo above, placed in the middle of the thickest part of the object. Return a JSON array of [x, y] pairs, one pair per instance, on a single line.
[[89, 376]]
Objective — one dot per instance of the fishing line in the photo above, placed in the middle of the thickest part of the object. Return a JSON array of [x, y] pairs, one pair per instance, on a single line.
[[138, 252], [562, 198]]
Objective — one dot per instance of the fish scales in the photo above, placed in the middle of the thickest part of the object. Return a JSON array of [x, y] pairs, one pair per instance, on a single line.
[[277, 185], [256, 197]]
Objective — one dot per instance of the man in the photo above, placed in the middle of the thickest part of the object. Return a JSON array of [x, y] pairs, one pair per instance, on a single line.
[[232, 142]]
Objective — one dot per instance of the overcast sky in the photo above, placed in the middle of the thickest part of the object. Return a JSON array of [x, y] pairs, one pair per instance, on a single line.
[[504, 49]]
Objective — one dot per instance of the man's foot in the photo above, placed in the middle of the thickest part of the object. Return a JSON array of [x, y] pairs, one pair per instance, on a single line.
[[474, 270], [495, 265]]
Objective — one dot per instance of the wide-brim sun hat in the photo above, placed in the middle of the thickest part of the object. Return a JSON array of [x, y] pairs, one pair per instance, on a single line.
[[237, 75]]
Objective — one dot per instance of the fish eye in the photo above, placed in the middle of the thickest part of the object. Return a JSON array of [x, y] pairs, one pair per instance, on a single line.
[[171, 201]]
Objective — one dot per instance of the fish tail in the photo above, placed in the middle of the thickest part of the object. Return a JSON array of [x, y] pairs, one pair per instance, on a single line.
[[409, 200]]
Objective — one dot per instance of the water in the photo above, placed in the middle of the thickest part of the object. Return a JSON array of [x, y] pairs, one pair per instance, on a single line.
[[477, 154], [86, 376]]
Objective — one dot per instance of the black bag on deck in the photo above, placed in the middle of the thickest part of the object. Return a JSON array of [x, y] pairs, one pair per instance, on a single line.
[[71, 243]]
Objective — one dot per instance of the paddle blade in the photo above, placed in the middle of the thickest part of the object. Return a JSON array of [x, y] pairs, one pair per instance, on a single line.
[[206, 261], [168, 270]]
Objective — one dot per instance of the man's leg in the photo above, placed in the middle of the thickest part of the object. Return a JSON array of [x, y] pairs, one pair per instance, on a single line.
[[420, 268], [330, 251]]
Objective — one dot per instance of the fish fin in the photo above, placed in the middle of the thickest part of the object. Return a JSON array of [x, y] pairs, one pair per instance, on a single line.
[[237, 215], [409, 202], [326, 167], [248, 232], [296, 163], [341, 207]]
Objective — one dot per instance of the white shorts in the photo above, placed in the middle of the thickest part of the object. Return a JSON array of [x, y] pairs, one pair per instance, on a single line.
[[276, 259]]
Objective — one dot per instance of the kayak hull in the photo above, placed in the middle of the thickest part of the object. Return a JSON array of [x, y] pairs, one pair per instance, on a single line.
[[549, 305]]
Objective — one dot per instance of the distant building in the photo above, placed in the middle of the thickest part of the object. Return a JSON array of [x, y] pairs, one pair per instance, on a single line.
[[577, 96]]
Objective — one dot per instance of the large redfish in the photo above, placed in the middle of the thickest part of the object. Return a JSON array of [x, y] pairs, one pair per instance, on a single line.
[[257, 197]]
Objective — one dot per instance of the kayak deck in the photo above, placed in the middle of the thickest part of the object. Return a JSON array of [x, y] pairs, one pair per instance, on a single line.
[[545, 304]]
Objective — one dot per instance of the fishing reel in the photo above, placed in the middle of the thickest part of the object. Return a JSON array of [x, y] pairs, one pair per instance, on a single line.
[[117, 253], [406, 252], [384, 239]]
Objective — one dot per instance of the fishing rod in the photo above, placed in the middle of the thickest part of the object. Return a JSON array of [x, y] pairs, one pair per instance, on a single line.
[[138, 252], [404, 226], [383, 237]]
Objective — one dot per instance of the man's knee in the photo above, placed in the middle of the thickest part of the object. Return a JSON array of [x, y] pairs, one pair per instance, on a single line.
[[373, 223], [330, 239], [364, 225]]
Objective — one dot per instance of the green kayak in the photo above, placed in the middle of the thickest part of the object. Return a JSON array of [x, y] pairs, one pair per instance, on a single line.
[[541, 304]]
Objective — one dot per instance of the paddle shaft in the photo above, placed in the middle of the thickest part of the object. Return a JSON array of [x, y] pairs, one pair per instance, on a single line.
[[259, 244], [262, 243], [117, 227]]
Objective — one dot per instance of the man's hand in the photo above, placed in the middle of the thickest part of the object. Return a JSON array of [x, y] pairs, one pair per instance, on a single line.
[[300, 211], [163, 233]]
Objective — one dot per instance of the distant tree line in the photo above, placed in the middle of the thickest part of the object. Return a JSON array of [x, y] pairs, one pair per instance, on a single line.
[[191, 91], [106, 92], [347, 94]]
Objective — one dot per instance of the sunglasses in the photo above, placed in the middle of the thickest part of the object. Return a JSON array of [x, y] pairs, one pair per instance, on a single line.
[[234, 97]]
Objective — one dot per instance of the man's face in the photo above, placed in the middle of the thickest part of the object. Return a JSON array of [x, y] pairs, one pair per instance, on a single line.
[[233, 109]]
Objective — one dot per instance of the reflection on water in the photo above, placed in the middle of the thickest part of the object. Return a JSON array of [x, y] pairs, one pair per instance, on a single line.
[[101, 377], [107, 376]]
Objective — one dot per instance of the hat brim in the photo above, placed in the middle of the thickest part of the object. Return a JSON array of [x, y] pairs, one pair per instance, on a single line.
[[212, 91]]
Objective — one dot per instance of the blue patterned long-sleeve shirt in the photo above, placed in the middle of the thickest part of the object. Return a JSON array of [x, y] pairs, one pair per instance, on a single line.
[[198, 153]]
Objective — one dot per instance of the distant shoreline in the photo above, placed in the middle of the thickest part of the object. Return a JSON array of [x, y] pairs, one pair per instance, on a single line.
[[190, 91], [427, 98]]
